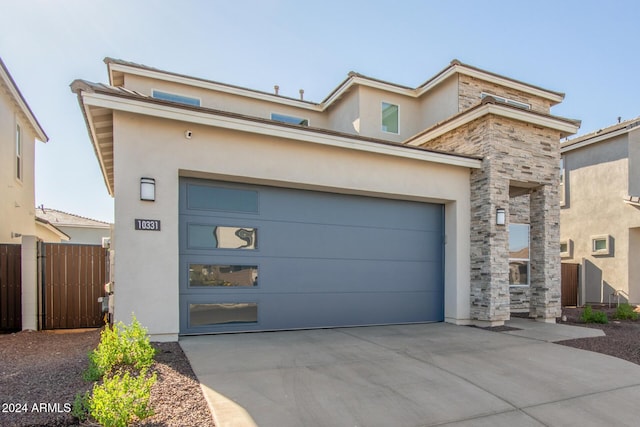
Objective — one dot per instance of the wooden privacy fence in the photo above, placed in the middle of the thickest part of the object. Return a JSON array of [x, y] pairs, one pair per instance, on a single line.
[[569, 279], [72, 279], [10, 287]]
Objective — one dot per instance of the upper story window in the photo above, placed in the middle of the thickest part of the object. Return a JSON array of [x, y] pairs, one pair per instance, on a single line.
[[19, 163], [390, 118], [181, 99], [283, 118], [506, 100]]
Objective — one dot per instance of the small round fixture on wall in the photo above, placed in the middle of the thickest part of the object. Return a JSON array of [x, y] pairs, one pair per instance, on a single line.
[[188, 134]]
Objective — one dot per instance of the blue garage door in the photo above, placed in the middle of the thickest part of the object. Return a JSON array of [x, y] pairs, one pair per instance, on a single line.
[[256, 258]]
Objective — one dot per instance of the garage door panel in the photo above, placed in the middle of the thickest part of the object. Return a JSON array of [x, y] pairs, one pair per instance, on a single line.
[[313, 240], [339, 209], [313, 276], [235, 312], [284, 259]]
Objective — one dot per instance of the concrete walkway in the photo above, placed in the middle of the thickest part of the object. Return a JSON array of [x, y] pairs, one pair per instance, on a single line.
[[413, 375]]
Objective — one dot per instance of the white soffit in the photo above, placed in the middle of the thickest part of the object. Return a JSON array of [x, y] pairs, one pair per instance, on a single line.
[[209, 119]]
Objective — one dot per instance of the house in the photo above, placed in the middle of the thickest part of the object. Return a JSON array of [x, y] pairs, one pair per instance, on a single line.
[[243, 210], [19, 130], [79, 229], [600, 215]]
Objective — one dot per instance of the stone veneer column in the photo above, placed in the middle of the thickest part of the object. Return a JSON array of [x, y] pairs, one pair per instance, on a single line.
[[489, 246], [545, 254]]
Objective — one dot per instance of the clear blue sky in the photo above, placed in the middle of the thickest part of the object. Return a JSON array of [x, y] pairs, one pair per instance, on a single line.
[[587, 49]]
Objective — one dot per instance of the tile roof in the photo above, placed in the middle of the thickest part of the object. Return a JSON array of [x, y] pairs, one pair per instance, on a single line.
[[626, 125], [60, 218]]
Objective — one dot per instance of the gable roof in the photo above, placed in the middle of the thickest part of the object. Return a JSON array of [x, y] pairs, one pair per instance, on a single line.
[[117, 68], [600, 135], [41, 222], [12, 88]]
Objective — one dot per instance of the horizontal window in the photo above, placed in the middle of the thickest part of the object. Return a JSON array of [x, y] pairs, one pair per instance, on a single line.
[[223, 275], [601, 245], [506, 100], [181, 99], [207, 197], [289, 119], [218, 314], [202, 236]]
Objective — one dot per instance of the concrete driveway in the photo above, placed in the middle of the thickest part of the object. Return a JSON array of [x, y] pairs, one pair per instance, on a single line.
[[412, 375]]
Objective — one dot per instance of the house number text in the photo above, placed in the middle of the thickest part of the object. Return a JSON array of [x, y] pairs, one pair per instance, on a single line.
[[147, 224]]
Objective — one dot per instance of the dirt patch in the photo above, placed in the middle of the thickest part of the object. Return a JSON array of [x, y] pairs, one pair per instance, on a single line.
[[622, 337], [41, 372]]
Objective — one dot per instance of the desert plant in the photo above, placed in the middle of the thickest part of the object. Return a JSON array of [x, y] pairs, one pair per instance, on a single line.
[[626, 312], [590, 316], [120, 345], [80, 408], [121, 398]]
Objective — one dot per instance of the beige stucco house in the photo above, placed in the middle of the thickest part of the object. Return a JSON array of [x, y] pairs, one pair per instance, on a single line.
[[19, 130], [243, 210], [600, 215]]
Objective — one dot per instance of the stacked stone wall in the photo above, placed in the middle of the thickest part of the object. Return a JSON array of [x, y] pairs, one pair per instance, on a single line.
[[513, 152], [470, 90]]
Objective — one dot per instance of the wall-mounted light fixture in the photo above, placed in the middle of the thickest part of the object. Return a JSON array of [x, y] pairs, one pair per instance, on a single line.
[[148, 189], [501, 216]]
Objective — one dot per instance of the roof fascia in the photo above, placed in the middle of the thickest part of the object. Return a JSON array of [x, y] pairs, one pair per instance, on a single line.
[[459, 68], [570, 146], [209, 85], [239, 124], [94, 140], [603, 136], [498, 110], [52, 228], [22, 103]]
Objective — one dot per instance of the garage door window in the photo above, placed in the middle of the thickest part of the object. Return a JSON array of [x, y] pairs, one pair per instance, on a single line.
[[225, 313], [204, 236], [205, 197], [223, 275]]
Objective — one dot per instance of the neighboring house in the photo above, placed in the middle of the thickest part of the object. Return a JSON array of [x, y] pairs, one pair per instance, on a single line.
[[600, 215], [240, 210], [19, 130], [80, 230]]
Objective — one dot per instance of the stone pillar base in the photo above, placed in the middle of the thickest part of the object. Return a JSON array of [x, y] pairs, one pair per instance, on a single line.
[[488, 323]]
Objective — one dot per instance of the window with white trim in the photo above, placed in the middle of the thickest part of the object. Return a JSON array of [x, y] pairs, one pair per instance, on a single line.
[[19, 162], [390, 118], [601, 244], [506, 100], [566, 248], [519, 258]]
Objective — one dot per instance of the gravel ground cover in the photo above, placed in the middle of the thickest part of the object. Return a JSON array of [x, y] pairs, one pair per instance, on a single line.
[[41, 372], [622, 337]]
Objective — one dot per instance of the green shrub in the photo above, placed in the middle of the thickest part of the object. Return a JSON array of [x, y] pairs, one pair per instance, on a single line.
[[625, 312], [122, 398], [590, 316], [120, 345], [80, 408]]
